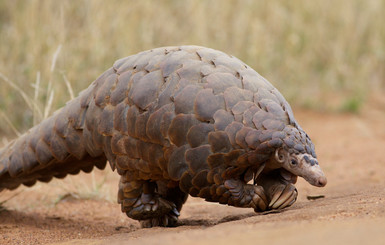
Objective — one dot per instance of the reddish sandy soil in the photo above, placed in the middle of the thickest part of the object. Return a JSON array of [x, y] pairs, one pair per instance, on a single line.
[[82, 209]]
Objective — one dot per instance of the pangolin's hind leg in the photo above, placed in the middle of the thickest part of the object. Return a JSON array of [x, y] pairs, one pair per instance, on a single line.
[[170, 191], [167, 192], [141, 200]]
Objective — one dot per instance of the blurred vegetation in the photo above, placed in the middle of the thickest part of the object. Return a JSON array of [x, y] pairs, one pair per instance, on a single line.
[[325, 54]]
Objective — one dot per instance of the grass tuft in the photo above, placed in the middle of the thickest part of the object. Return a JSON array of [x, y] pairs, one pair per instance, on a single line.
[[86, 188], [352, 104]]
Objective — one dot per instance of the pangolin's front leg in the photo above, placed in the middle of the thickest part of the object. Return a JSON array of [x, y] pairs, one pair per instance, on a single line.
[[279, 188], [271, 192], [246, 195]]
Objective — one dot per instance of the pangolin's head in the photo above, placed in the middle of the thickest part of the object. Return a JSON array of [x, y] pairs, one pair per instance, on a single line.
[[301, 164]]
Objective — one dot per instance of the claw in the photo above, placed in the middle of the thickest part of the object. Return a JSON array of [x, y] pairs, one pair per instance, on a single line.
[[277, 193], [137, 203], [155, 222], [289, 201], [283, 197], [146, 223], [280, 203], [173, 218], [147, 208], [165, 220], [259, 204], [175, 212], [155, 206], [287, 195], [261, 193]]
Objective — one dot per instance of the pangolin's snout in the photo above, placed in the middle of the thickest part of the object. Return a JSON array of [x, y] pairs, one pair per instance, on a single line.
[[322, 181]]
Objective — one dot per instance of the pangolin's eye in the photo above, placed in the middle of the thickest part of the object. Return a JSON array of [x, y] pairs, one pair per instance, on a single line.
[[293, 162]]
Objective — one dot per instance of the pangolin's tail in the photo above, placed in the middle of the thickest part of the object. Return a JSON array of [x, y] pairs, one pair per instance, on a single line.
[[62, 144]]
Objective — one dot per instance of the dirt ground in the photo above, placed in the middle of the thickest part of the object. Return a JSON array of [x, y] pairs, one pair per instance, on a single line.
[[83, 210]]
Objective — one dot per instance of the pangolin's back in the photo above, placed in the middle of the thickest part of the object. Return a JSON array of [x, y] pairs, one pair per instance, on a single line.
[[143, 110]]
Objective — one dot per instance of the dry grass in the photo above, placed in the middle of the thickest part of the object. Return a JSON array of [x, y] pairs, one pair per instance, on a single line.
[[320, 54]]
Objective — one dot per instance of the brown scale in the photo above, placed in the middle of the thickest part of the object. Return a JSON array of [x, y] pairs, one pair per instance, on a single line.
[[173, 121]]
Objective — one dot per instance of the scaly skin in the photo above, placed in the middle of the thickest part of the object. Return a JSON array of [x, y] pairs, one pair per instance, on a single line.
[[173, 121]]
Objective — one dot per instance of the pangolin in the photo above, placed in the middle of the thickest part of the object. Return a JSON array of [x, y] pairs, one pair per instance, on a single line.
[[173, 122]]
